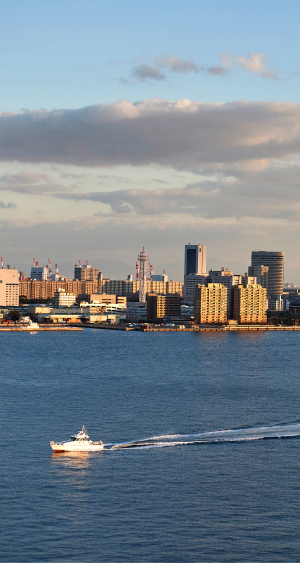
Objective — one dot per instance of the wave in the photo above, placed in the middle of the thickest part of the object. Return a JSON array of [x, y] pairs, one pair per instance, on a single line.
[[215, 436]]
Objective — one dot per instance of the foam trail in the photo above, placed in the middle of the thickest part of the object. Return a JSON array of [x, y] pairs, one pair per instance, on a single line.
[[226, 435]]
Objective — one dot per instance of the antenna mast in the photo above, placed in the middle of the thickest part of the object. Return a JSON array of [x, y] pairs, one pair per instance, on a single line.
[[143, 258]]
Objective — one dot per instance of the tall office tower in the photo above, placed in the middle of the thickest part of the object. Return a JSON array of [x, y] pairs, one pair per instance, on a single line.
[[275, 261], [195, 259], [9, 287], [210, 303], [194, 270]]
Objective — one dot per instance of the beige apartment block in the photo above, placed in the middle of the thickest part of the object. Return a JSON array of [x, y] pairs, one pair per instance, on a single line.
[[9, 287], [175, 287], [210, 304], [35, 289], [120, 287], [126, 287], [249, 304]]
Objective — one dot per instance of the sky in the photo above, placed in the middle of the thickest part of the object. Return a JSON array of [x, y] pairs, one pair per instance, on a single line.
[[126, 124]]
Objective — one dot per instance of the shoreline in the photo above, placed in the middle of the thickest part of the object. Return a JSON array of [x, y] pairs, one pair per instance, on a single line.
[[225, 328]]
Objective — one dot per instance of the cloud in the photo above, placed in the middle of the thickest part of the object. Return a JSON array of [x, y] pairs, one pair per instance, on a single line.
[[217, 70], [29, 183], [23, 178], [9, 205], [260, 64], [177, 65], [255, 63], [180, 134], [243, 194], [166, 63], [145, 72]]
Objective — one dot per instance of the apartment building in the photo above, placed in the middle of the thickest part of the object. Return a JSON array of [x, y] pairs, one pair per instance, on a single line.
[[160, 306], [249, 304], [35, 289], [210, 304]]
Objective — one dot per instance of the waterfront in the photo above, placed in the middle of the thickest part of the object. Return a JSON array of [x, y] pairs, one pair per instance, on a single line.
[[210, 499]]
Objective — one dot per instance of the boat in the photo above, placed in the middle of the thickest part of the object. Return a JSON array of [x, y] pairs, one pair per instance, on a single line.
[[78, 443], [28, 324]]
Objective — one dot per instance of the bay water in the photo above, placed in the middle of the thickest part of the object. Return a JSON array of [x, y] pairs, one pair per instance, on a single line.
[[202, 451]]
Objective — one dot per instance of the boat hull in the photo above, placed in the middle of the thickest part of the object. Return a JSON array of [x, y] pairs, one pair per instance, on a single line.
[[71, 447]]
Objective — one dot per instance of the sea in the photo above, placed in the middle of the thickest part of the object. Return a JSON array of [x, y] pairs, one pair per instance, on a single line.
[[201, 461]]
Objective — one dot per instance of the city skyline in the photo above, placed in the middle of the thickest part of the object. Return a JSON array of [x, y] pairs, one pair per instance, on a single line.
[[108, 144], [194, 268]]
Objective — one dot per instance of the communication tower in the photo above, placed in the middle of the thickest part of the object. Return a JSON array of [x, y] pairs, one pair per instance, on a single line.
[[143, 258]]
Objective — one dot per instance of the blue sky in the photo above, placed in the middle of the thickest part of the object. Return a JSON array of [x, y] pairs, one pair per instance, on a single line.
[[156, 172], [72, 54]]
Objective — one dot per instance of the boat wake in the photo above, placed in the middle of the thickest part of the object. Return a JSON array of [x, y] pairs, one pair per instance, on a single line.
[[218, 436]]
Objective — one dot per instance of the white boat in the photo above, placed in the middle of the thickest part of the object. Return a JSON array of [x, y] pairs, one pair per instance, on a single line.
[[28, 324], [78, 443]]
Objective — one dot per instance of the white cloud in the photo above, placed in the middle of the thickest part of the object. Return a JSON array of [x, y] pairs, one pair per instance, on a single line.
[[255, 63], [260, 64]]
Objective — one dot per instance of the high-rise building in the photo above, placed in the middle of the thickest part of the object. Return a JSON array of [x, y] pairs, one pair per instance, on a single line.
[[195, 259], [85, 273], [38, 273], [9, 287], [190, 283], [261, 273], [210, 304], [249, 304], [131, 287], [225, 277], [275, 262], [194, 270]]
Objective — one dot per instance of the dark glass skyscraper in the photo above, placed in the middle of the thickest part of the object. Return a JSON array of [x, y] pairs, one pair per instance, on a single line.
[[195, 259]]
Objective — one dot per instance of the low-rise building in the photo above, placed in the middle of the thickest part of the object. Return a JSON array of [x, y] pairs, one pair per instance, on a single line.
[[136, 312], [63, 299], [108, 299]]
